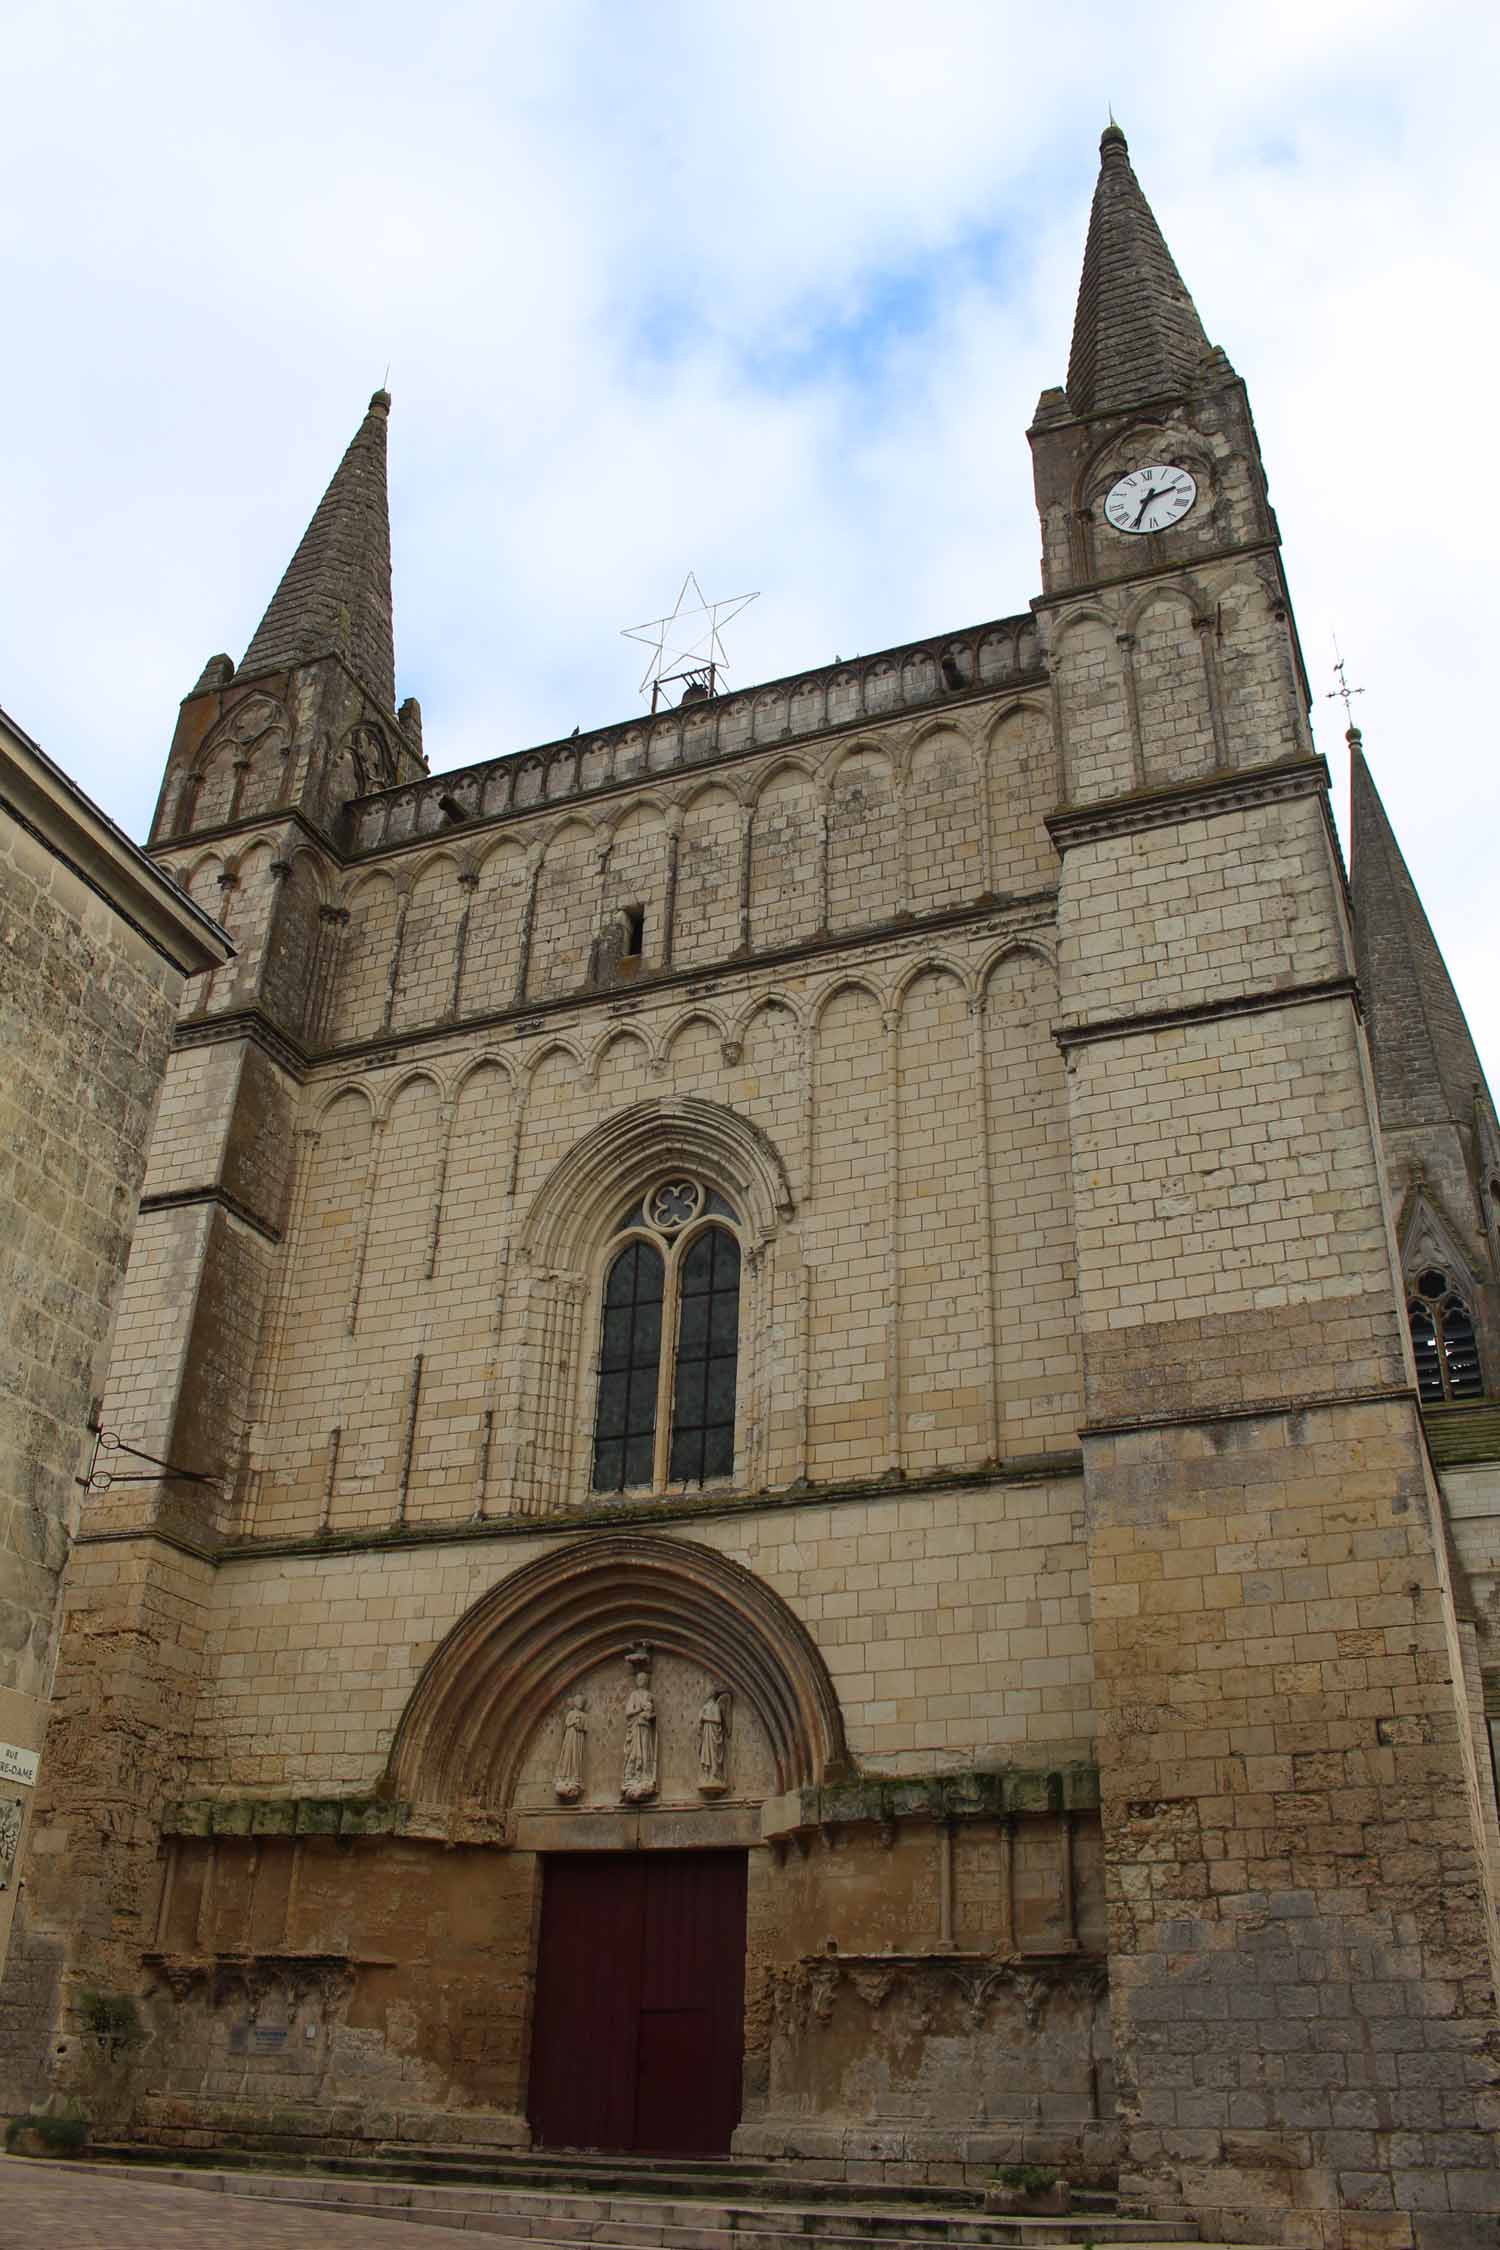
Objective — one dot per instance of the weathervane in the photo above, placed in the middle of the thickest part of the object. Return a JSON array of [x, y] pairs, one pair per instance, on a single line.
[[1343, 693], [685, 645]]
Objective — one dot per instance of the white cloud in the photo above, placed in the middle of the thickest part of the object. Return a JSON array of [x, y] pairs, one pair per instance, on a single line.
[[765, 289]]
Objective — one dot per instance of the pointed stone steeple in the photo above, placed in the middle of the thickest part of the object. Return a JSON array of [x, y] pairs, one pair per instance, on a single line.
[[1136, 334], [1426, 1064], [335, 599]]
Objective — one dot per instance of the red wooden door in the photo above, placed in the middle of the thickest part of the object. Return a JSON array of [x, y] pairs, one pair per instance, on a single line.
[[638, 2027]]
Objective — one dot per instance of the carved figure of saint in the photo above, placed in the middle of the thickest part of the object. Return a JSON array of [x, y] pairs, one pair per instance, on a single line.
[[12, 1813], [640, 1741], [713, 1743], [568, 1780]]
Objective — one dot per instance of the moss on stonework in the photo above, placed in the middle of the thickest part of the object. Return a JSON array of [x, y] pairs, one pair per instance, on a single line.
[[283, 1816], [975, 1793], [112, 2020]]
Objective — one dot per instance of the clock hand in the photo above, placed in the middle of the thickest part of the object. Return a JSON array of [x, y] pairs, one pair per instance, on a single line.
[[1153, 494]]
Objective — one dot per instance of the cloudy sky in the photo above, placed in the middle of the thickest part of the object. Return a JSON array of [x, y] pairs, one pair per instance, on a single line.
[[764, 288]]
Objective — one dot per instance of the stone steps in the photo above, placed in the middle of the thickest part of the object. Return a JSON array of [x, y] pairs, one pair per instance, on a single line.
[[568, 2172], [721, 2180], [636, 2220]]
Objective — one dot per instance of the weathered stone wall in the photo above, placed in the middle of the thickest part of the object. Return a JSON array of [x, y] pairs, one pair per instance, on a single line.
[[133, 1647], [953, 1624], [343, 1990], [346, 1991], [1301, 1978], [919, 818], [1296, 1911], [418, 1179], [86, 1009], [1002, 993], [418, 1166]]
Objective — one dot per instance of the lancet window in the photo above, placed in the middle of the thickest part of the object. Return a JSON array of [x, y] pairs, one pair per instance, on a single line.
[[669, 1342], [1443, 1339]]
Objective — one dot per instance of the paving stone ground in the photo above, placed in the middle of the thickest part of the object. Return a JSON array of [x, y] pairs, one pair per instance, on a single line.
[[46, 2207]]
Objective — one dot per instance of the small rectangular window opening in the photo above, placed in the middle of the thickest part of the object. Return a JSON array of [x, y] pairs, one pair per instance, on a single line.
[[633, 926]]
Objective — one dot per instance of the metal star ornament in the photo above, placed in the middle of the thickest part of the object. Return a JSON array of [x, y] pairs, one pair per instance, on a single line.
[[685, 644]]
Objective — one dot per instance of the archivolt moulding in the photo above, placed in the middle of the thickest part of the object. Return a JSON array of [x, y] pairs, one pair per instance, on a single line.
[[487, 1686], [590, 1185]]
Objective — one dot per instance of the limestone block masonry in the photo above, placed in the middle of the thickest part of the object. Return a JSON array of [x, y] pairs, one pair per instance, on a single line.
[[94, 948], [855, 1212]]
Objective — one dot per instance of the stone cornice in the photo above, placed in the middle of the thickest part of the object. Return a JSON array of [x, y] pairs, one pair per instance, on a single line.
[[1251, 1410], [223, 831], [522, 1018], [183, 1199], [648, 1514], [1188, 800], [1206, 1011], [1178, 567], [152, 1534], [246, 1023], [41, 799]]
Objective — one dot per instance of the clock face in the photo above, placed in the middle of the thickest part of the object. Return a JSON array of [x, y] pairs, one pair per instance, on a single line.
[[1150, 499]]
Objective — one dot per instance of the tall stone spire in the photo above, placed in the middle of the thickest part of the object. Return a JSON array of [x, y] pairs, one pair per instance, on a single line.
[[1136, 334], [335, 599], [1426, 1065]]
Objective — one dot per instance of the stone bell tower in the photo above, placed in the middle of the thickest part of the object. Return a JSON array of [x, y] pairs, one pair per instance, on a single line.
[[308, 720], [263, 761], [1300, 1975]]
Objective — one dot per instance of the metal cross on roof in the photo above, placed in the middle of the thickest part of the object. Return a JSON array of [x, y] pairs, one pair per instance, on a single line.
[[1343, 693], [685, 645]]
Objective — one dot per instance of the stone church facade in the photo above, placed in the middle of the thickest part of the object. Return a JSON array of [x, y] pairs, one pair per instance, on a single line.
[[824, 1537]]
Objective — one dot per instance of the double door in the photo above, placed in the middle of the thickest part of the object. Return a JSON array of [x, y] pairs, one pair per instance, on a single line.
[[638, 2028]]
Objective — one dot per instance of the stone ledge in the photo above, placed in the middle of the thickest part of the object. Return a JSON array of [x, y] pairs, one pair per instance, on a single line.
[[973, 1794], [1232, 789]]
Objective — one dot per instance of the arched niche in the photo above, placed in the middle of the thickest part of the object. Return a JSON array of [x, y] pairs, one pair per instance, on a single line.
[[507, 1665]]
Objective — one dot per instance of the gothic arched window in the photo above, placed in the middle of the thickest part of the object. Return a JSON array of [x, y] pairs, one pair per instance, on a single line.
[[669, 1342], [1442, 1335]]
